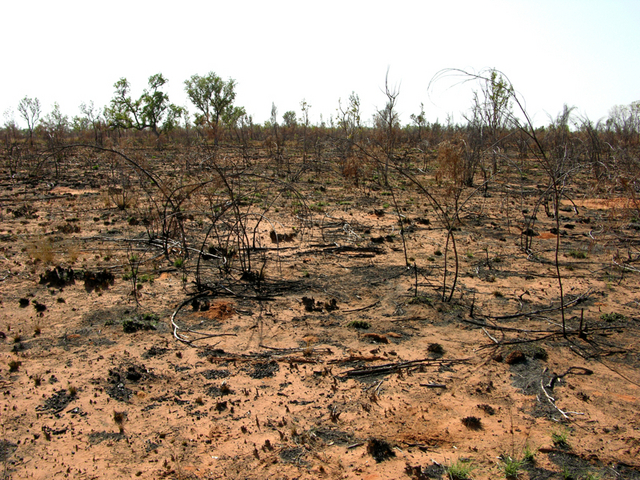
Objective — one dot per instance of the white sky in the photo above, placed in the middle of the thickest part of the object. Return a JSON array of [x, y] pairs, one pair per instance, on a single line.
[[581, 52]]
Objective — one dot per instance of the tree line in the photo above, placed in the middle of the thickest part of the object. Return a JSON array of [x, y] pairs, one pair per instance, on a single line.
[[495, 128]]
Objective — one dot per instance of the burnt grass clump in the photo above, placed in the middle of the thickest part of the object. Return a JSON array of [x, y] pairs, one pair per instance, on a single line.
[[98, 280], [472, 423], [380, 449], [58, 277]]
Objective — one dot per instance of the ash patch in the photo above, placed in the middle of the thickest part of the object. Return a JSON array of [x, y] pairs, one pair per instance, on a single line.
[[99, 437], [293, 455], [155, 352], [215, 391], [150, 446], [576, 465], [6, 449], [334, 437], [211, 352], [264, 369], [422, 473], [111, 316], [215, 374], [119, 379], [56, 402], [530, 377]]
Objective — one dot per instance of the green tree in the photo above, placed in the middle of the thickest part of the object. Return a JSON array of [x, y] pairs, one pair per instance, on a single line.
[[152, 110], [213, 97], [29, 109], [233, 117], [290, 120]]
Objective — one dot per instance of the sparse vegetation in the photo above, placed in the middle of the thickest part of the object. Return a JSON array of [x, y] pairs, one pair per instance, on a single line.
[[359, 324], [460, 470], [560, 438], [613, 317], [510, 466]]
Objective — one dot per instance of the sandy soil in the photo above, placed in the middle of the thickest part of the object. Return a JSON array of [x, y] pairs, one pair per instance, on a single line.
[[340, 362]]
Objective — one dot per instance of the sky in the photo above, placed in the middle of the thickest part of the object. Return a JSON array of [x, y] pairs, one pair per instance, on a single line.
[[583, 53]]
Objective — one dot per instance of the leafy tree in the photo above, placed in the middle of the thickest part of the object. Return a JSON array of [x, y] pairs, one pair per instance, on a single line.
[[290, 119], [29, 109], [233, 117], [152, 110], [213, 97]]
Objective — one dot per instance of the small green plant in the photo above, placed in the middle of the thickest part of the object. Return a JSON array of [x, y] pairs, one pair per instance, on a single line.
[[567, 474], [146, 278], [469, 254], [578, 254], [146, 321], [359, 324], [528, 454], [459, 470], [421, 300], [560, 438], [179, 262], [510, 466], [612, 317], [438, 253]]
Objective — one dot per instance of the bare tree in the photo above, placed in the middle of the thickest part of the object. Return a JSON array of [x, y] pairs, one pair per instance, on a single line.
[[388, 121]]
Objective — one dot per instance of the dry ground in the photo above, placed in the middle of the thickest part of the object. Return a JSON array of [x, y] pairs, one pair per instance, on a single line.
[[367, 380]]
